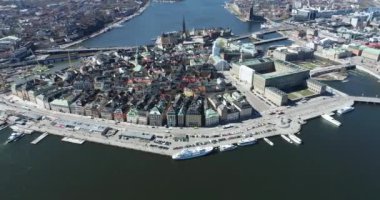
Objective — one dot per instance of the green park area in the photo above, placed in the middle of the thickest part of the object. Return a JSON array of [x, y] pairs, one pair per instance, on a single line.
[[300, 94]]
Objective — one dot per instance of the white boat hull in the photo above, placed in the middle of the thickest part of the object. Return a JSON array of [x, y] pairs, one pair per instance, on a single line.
[[246, 142], [227, 148], [196, 153], [345, 110]]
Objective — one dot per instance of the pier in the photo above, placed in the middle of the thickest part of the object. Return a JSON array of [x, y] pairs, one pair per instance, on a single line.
[[331, 120], [363, 99], [295, 139], [39, 138], [73, 140], [268, 141], [286, 139]]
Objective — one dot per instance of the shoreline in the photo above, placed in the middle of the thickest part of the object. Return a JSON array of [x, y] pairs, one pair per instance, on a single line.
[[368, 71], [257, 128], [108, 27]]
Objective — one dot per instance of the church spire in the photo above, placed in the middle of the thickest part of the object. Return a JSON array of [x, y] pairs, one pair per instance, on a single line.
[[183, 25]]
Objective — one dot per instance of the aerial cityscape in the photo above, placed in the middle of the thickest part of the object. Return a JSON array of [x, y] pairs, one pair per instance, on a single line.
[[189, 80]]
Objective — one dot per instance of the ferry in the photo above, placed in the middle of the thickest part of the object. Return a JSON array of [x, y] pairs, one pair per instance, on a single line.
[[14, 137], [345, 110], [192, 153], [246, 141], [227, 147], [295, 139]]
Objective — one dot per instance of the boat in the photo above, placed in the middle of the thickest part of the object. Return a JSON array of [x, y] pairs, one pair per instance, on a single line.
[[265, 26], [295, 139], [14, 137], [268, 141], [227, 147], [192, 153], [246, 141], [345, 110], [286, 139]]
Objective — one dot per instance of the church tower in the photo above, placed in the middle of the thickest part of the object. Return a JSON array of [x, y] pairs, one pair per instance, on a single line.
[[184, 31]]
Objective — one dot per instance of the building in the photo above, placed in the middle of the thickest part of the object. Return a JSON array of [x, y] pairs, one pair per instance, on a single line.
[[232, 114], [106, 111], [372, 54], [336, 53], [239, 102], [244, 108], [77, 107], [157, 115], [276, 96], [62, 103], [355, 49], [211, 117], [282, 75], [293, 53], [316, 86], [246, 69], [194, 114], [132, 115], [143, 118], [182, 116], [119, 115], [223, 112], [171, 116]]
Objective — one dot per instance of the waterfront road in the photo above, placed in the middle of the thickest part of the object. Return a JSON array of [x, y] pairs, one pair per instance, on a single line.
[[165, 143]]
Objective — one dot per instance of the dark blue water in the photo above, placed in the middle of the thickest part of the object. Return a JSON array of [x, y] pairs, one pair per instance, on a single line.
[[159, 18]]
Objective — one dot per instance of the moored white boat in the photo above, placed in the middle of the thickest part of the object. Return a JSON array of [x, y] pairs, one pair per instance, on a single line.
[[345, 110], [14, 137], [227, 147], [246, 141], [192, 153]]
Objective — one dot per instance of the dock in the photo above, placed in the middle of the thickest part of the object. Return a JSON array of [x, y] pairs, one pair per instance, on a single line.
[[268, 141], [39, 138], [73, 140], [286, 139], [295, 139], [331, 120]]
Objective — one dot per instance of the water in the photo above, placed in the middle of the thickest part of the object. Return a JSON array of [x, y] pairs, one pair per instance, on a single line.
[[333, 163], [159, 18]]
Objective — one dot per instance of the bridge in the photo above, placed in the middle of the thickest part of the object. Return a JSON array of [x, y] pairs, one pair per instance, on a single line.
[[83, 50], [363, 99], [270, 40], [333, 68]]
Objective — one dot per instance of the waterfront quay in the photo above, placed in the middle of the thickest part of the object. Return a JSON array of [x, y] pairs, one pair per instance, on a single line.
[[167, 141]]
